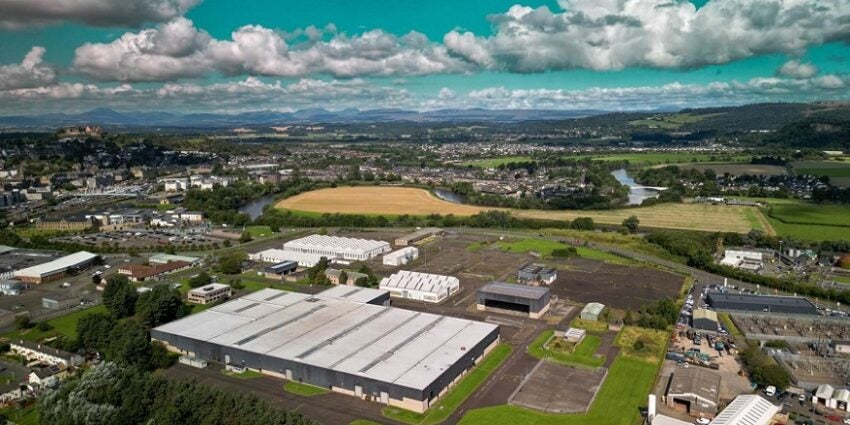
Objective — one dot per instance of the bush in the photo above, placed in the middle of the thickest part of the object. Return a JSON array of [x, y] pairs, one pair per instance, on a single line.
[[43, 326], [22, 322]]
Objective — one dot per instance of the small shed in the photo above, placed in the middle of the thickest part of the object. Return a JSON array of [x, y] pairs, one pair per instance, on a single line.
[[592, 312]]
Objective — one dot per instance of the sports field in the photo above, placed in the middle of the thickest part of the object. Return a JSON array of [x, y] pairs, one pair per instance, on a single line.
[[394, 201]]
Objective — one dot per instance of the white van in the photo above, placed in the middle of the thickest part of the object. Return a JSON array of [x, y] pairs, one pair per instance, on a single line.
[[770, 391]]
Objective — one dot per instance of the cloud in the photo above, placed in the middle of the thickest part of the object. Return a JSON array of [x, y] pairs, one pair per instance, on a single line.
[[796, 69], [619, 34], [178, 49], [17, 14], [31, 72]]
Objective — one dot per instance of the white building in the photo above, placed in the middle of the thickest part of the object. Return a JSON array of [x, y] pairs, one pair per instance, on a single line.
[[401, 257], [276, 256], [743, 259], [209, 294], [163, 258], [432, 288], [338, 247], [43, 353], [747, 409]]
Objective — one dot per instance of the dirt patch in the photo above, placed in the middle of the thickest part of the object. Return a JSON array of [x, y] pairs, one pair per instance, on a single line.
[[617, 286], [559, 389]]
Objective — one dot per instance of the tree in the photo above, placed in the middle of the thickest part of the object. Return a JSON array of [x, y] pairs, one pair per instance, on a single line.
[[129, 344], [22, 322], [343, 278], [231, 263], [160, 305], [94, 330], [583, 223], [631, 224], [119, 296], [245, 237], [200, 279]]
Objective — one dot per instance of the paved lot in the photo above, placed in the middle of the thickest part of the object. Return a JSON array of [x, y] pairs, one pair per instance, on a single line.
[[559, 389]]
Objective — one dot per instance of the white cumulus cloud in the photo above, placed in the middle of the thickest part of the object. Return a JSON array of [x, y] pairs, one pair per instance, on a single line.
[[31, 72], [796, 69], [16, 14]]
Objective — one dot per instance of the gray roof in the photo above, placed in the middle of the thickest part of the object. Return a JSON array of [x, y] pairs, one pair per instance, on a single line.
[[408, 348], [515, 290], [748, 409], [696, 381], [761, 300], [537, 269]]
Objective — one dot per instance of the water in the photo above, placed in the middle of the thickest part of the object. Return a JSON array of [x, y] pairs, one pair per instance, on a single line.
[[448, 195], [636, 196], [254, 208]]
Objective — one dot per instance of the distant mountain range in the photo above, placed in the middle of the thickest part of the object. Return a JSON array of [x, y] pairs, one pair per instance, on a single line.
[[111, 118]]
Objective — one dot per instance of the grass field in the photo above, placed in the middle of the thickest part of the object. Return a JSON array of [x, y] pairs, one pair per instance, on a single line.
[[544, 247], [393, 201], [495, 162], [809, 221], [64, 325], [259, 231], [305, 390], [248, 374], [822, 168], [738, 169], [457, 395], [625, 388], [670, 158], [671, 121], [581, 356]]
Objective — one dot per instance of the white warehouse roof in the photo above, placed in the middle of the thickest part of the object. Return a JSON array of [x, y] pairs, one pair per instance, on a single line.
[[278, 256], [401, 253], [57, 265], [338, 244], [408, 348], [748, 409], [424, 282]]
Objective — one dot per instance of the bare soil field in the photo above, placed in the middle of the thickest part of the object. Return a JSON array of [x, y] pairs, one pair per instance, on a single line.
[[617, 286], [403, 200]]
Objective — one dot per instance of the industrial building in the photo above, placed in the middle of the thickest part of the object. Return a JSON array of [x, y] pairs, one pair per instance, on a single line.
[[749, 409], [209, 294], [401, 256], [592, 312], [338, 247], [530, 300], [335, 276], [141, 272], [695, 390], [418, 236], [337, 339], [743, 259], [56, 269], [279, 256], [535, 274], [279, 270], [162, 258], [704, 319], [427, 287], [59, 301], [761, 303]]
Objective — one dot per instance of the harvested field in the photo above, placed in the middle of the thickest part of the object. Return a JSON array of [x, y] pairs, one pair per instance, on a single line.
[[739, 169], [555, 388], [395, 201], [617, 286]]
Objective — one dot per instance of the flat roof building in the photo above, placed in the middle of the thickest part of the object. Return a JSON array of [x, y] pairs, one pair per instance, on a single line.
[[761, 303], [592, 312], [338, 247], [162, 258], [56, 269], [351, 277], [398, 357], [418, 236], [500, 296], [209, 294], [401, 256], [535, 274], [279, 270], [141, 272], [427, 287], [747, 409], [279, 256], [695, 390], [704, 319]]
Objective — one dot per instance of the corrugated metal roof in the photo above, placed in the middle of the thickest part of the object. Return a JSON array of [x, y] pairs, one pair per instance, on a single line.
[[515, 290], [746, 409], [57, 265]]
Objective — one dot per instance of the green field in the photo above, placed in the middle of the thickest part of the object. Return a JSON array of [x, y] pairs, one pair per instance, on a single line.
[[64, 325], [305, 390], [629, 380], [671, 121], [657, 158], [595, 254], [457, 395], [581, 356], [809, 221], [495, 162], [544, 247], [259, 231], [822, 168], [248, 374]]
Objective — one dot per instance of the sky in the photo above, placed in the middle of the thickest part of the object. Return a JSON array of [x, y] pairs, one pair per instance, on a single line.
[[235, 56]]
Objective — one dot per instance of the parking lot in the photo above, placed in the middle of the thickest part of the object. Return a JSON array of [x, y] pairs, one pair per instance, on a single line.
[[146, 239]]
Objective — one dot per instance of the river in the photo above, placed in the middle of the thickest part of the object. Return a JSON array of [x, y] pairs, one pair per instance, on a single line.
[[448, 195], [636, 196], [254, 208]]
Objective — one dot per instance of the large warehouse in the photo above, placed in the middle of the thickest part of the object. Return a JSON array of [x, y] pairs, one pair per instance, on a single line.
[[432, 288], [761, 303], [337, 339], [401, 257], [277, 256], [531, 300], [56, 269], [338, 247]]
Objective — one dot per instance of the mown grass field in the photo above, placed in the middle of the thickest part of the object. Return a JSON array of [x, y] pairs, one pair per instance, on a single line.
[[64, 325], [807, 220], [457, 395], [394, 201], [624, 391], [581, 356], [259, 231], [822, 168]]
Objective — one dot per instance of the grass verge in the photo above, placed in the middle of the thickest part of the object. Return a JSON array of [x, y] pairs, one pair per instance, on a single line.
[[730, 325], [305, 390], [248, 374], [61, 326], [457, 395], [582, 356]]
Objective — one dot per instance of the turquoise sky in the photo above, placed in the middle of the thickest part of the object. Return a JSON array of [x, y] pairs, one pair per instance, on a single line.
[[433, 18]]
